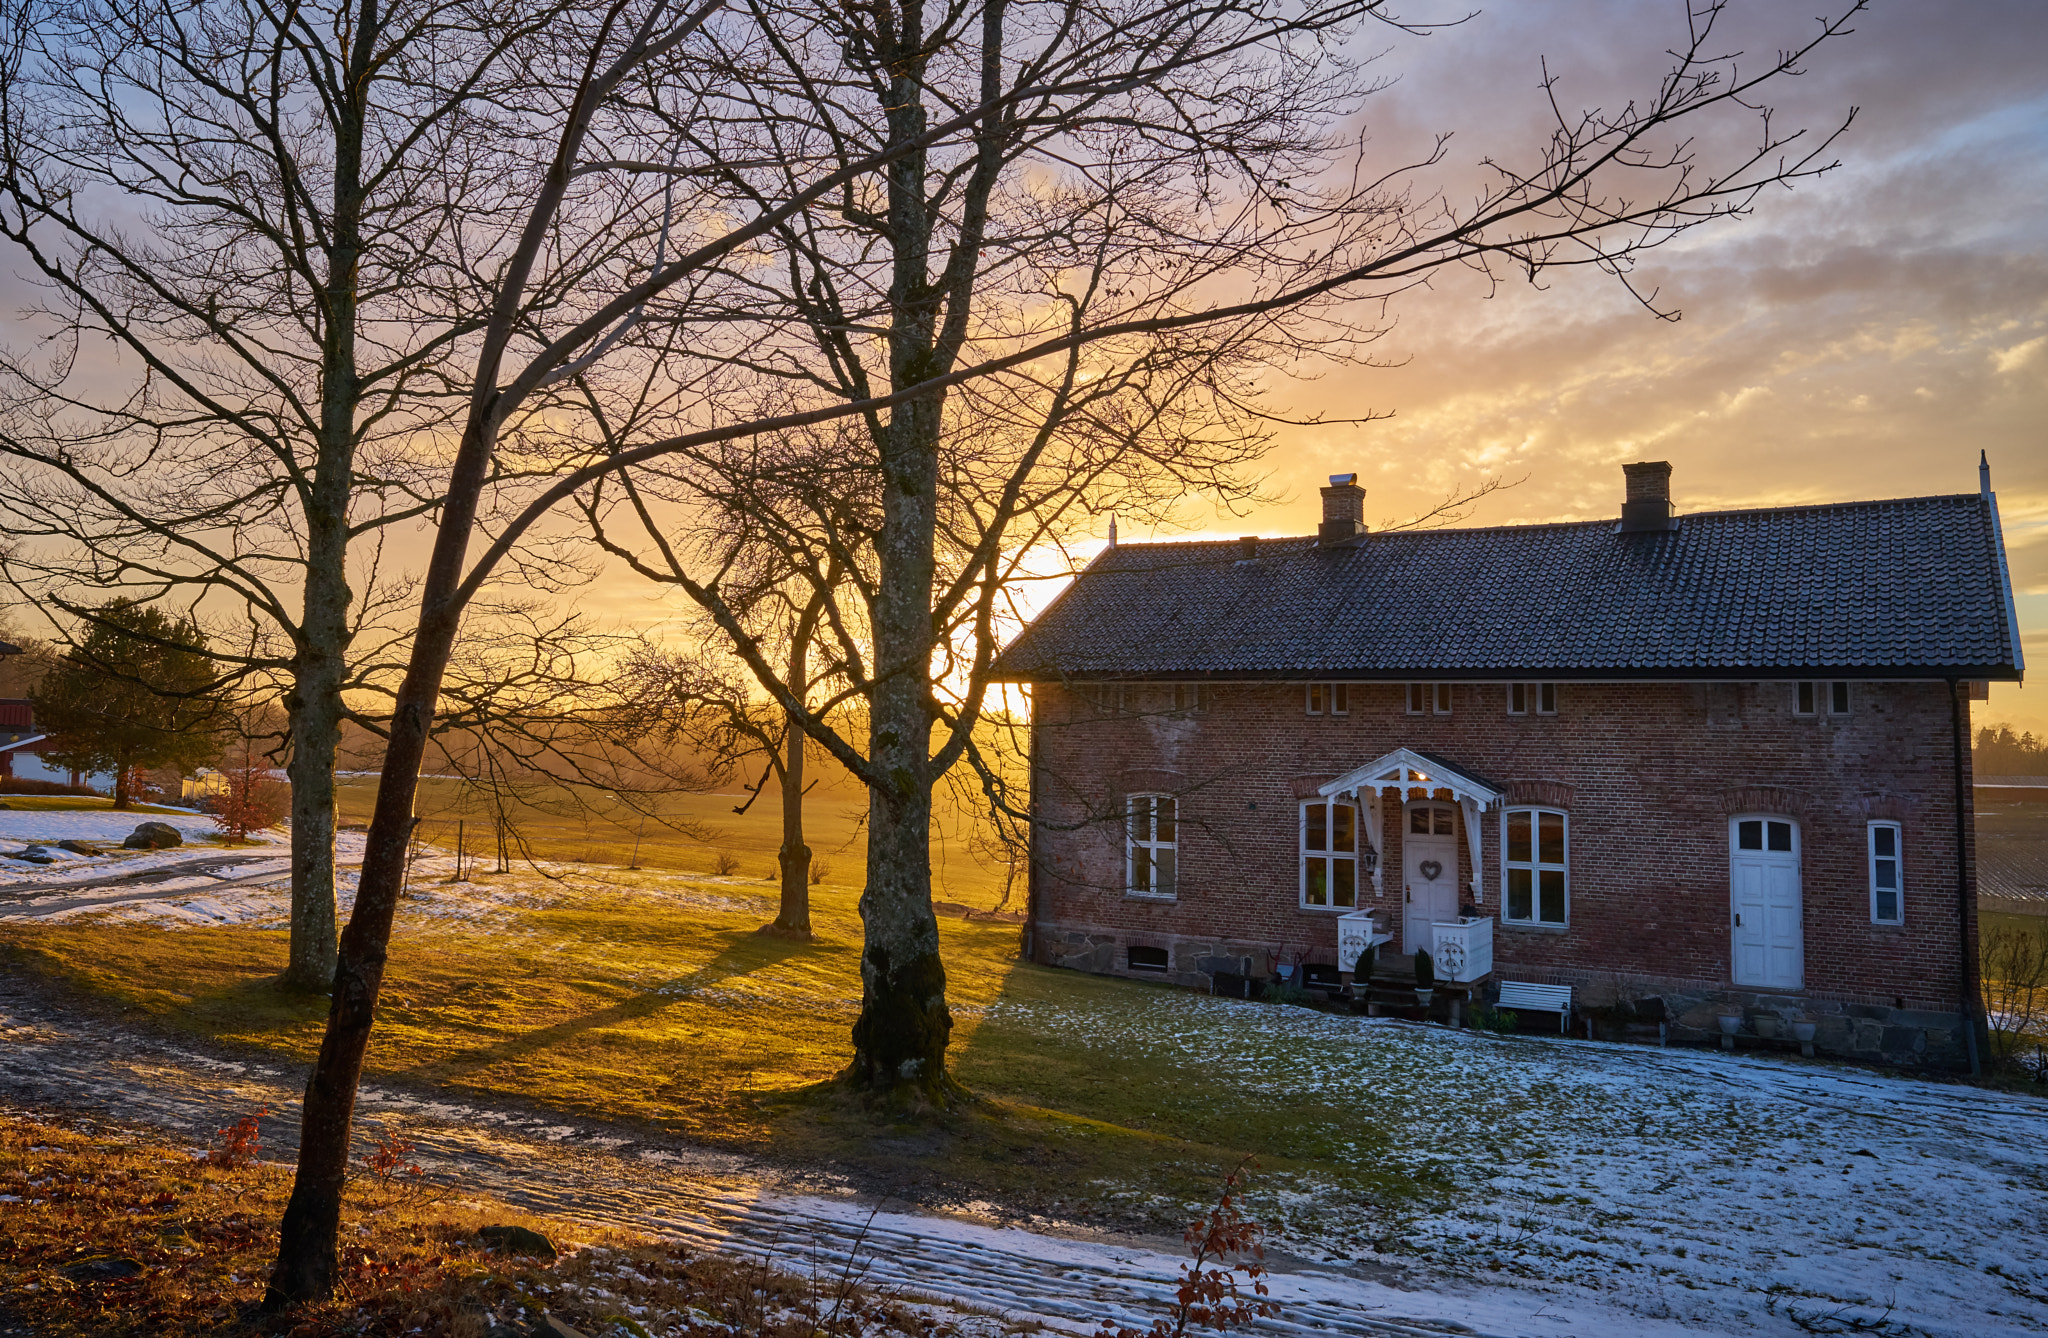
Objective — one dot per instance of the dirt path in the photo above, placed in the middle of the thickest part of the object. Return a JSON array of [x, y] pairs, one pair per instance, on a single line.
[[37, 900], [51, 1059]]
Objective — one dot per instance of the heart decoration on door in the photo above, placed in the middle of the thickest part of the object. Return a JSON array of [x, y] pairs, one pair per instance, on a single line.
[[1430, 869]]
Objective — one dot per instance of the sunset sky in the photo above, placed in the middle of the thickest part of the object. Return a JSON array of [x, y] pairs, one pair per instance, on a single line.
[[1861, 337]]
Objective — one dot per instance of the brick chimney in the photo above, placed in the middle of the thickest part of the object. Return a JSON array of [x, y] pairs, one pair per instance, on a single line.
[[1647, 506], [1343, 512]]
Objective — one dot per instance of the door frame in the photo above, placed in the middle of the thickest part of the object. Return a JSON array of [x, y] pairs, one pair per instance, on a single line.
[[1796, 860], [1450, 845]]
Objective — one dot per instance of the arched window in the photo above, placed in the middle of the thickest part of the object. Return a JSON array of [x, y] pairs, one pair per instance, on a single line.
[[1329, 854]]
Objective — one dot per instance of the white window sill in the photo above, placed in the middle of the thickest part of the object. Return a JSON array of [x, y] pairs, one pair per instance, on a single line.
[[1151, 896], [1532, 927], [1329, 910]]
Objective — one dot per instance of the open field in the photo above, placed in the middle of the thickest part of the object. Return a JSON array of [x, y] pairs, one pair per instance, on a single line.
[[587, 825]]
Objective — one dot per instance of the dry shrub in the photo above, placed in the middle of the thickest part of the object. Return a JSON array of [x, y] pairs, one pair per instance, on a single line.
[[1225, 1243], [725, 864], [235, 1147], [2015, 980], [252, 801], [821, 869]]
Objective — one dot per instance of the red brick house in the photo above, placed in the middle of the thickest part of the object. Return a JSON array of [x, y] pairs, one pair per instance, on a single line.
[[1681, 763]]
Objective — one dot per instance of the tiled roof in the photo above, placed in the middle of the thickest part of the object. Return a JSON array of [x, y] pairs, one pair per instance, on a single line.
[[1910, 588]]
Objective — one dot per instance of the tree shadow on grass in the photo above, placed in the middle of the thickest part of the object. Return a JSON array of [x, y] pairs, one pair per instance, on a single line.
[[745, 953]]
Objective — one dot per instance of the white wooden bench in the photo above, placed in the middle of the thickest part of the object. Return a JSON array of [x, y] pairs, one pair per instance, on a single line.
[[1523, 997]]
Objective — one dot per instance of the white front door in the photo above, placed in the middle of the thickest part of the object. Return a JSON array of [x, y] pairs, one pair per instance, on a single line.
[[1769, 940], [1429, 859]]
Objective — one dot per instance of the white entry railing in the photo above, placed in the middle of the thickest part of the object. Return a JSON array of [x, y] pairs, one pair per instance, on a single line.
[[1462, 949]]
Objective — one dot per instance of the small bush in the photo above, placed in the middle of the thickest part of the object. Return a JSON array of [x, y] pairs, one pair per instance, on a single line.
[[1224, 1243], [235, 1147], [1425, 970], [251, 802], [821, 869], [725, 863], [1487, 1018], [1284, 992], [2015, 982]]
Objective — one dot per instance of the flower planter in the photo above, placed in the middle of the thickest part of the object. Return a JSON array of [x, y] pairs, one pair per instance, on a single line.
[[1802, 1031], [1730, 1024]]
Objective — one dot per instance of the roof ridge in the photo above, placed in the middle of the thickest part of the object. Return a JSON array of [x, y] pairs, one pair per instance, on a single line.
[[1604, 521]]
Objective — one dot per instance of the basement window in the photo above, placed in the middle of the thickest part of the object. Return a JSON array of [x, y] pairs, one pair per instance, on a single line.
[[1429, 699], [1887, 874], [1146, 959], [1532, 699], [1151, 831], [1329, 699]]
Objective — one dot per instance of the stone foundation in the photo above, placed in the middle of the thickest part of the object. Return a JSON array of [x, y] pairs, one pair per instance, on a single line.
[[1904, 1034]]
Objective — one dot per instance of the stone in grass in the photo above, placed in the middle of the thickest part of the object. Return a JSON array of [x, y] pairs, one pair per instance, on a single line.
[[153, 836], [517, 1240], [34, 855], [102, 1270], [80, 847], [547, 1326]]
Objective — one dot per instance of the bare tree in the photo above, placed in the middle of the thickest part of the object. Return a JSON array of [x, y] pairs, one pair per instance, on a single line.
[[254, 227], [781, 593], [1041, 254], [1096, 232]]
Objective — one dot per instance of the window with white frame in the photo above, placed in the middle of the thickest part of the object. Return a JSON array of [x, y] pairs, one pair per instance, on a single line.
[[1532, 699], [1329, 853], [1429, 699], [1535, 870], [1329, 699], [1887, 874], [1820, 697], [1151, 845], [1188, 698]]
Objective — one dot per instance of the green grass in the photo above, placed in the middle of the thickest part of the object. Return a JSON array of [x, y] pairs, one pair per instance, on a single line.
[[47, 803], [648, 999]]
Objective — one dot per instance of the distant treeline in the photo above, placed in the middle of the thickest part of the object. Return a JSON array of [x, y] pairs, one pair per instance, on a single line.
[[2000, 752]]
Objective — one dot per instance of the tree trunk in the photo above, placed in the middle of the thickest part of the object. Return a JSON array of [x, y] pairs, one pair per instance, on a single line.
[[306, 1238], [124, 783], [319, 666], [794, 916], [316, 734], [899, 1042]]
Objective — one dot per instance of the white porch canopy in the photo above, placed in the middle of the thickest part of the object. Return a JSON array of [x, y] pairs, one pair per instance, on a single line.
[[1405, 770]]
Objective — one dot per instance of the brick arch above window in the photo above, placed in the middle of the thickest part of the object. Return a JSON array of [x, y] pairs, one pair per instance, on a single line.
[[1889, 807], [1764, 799], [1150, 780], [1537, 794], [1308, 787]]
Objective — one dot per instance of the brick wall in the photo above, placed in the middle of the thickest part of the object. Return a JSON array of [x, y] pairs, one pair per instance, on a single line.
[[1650, 774]]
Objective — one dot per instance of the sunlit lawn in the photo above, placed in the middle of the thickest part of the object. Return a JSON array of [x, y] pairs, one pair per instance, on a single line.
[[649, 999]]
